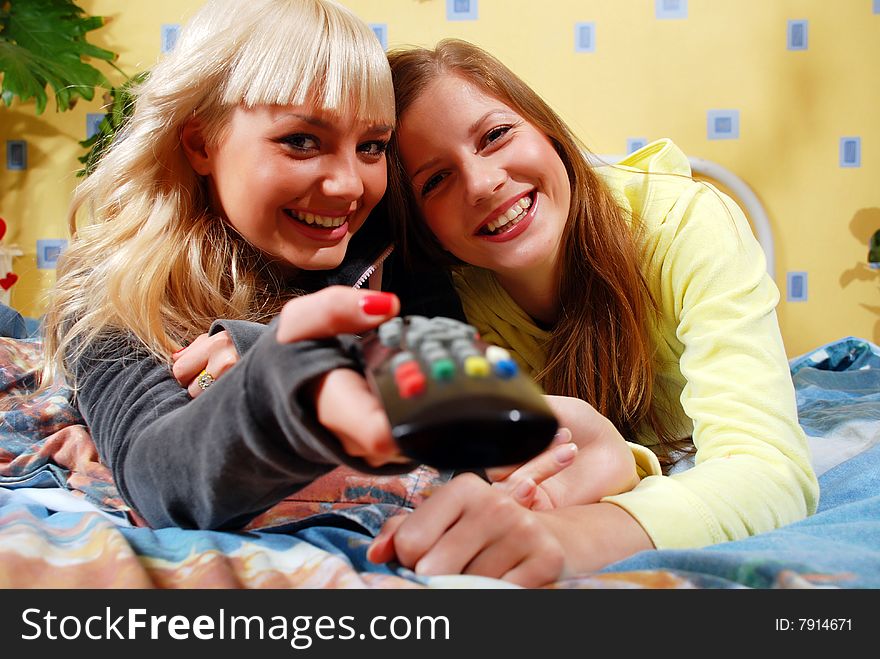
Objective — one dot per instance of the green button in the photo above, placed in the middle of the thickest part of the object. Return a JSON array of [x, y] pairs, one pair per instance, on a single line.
[[443, 369]]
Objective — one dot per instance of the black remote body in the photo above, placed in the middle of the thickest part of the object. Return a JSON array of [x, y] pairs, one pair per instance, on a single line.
[[455, 402]]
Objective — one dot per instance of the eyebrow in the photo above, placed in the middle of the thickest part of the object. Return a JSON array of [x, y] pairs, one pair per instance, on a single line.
[[321, 123], [473, 129]]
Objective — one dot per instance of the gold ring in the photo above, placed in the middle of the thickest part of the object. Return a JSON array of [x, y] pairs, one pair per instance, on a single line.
[[204, 380]]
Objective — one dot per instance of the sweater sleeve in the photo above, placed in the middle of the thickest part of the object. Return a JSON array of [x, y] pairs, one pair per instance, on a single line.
[[246, 443], [752, 471]]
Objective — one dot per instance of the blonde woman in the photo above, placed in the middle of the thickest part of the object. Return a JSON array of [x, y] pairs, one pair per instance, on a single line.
[[254, 154]]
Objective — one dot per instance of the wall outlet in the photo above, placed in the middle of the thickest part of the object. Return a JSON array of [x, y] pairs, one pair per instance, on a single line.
[[796, 285], [850, 151], [93, 123], [48, 251], [635, 143], [381, 32], [670, 9], [461, 10], [16, 155], [170, 32], [585, 37], [796, 35], [723, 124]]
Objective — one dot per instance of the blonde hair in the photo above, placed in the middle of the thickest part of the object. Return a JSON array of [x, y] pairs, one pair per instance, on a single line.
[[600, 349], [155, 261]]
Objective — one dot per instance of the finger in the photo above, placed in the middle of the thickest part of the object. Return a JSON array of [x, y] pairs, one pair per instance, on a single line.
[[363, 430], [334, 310], [490, 529], [190, 360], [537, 470], [216, 367], [216, 354], [538, 568], [381, 549], [436, 515], [562, 436]]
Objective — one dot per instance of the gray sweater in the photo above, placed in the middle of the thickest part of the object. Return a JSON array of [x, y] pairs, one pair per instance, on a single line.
[[248, 441]]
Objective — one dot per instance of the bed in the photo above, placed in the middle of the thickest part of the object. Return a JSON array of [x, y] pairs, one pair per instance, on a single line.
[[64, 525]]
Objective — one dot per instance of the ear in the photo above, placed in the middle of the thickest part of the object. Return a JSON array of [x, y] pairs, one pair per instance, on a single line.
[[192, 139]]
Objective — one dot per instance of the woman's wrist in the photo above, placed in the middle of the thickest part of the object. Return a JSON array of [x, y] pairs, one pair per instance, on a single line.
[[595, 535]]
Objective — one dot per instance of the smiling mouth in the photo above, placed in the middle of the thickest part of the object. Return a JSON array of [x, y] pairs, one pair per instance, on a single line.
[[509, 219], [316, 221]]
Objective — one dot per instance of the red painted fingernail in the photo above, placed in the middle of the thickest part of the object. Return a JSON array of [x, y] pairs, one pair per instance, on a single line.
[[377, 304]]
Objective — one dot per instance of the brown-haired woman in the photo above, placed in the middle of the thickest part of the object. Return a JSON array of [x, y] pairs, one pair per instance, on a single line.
[[632, 287]]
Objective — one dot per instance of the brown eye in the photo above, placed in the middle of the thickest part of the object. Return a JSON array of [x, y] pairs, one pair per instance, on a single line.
[[301, 142], [495, 134], [432, 183]]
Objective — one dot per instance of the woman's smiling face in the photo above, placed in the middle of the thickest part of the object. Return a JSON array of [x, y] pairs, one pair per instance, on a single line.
[[294, 181], [490, 185]]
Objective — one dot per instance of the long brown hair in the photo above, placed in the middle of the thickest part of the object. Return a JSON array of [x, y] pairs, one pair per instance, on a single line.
[[600, 348]]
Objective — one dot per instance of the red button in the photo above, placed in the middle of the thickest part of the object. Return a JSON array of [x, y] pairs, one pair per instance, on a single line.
[[410, 384]]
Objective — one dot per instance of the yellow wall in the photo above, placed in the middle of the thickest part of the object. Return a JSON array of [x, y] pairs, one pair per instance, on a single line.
[[646, 78]]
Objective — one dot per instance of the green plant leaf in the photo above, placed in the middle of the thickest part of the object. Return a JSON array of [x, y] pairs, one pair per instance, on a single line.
[[118, 108], [43, 43]]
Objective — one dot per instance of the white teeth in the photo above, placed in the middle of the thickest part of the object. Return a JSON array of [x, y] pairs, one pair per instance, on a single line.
[[320, 220], [512, 215]]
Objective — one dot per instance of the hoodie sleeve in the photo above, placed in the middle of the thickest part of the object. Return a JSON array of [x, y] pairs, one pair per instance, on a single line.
[[217, 461]]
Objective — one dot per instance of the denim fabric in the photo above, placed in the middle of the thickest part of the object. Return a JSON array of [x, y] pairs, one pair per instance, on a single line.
[[838, 546], [16, 326]]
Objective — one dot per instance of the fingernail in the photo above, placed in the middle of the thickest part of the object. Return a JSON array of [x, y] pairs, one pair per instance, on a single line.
[[562, 436], [524, 490], [565, 453], [377, 304]]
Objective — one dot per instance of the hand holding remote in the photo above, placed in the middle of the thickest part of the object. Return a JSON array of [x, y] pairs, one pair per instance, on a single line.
[[453, 401]]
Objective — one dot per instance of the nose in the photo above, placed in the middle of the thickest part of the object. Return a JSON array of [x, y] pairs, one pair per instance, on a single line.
[[343, 178], [483, 178]]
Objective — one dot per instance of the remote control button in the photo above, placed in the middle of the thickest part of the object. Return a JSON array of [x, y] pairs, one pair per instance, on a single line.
[[404, 369], [496, 354], [410, 384], [462, 349], [401, 358], [477, 367], [443, 369], [430, 345], [505, 368], [389, 332]]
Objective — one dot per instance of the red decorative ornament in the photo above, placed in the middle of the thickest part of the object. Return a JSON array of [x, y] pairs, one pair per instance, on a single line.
[[7, 281]]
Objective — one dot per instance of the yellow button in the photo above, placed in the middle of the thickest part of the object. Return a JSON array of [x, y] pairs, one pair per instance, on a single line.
[[477, 367]]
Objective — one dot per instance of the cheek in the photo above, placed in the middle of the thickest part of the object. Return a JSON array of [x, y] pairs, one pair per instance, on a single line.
[[438, 224], [375, 181]]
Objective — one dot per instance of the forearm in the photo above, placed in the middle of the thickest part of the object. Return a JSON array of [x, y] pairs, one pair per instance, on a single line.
[[216, 461], [594, 535]]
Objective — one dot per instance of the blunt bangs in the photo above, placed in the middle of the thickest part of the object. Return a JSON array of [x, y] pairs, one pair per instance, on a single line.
[[300, 52]]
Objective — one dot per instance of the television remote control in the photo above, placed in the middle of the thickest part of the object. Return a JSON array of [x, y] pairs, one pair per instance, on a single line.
[[455, 402]]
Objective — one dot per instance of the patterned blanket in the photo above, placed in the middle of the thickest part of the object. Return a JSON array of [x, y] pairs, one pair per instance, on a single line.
[[63, 523]]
